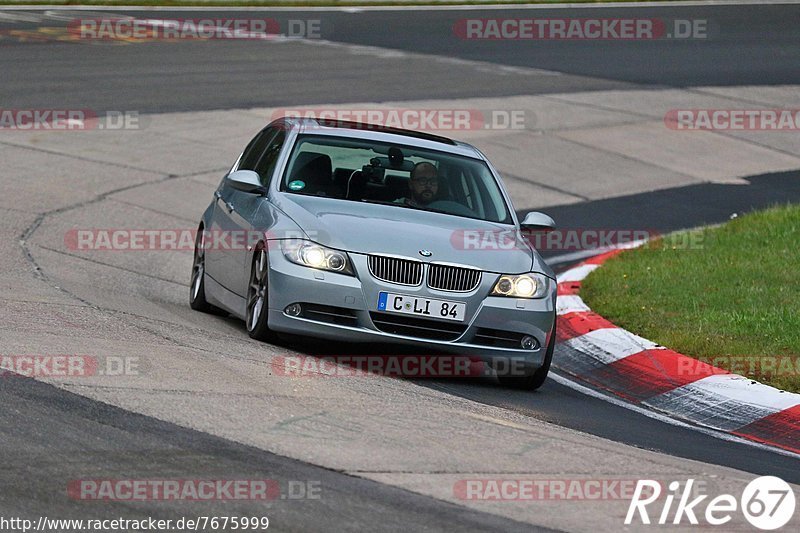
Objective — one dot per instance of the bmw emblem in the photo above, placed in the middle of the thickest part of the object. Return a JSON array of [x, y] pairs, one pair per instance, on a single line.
[[425, 253]]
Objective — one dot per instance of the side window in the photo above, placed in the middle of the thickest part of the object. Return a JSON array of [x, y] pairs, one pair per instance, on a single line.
[[254, 150], [266, 164]]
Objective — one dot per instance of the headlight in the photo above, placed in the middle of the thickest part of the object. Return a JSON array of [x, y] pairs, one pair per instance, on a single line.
[[314, 255], [521, 286]]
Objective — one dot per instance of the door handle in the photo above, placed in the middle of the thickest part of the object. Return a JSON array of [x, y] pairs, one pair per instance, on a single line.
[[228, 205]]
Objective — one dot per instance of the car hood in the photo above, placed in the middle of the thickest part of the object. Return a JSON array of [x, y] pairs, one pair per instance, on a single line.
[[383, 229]]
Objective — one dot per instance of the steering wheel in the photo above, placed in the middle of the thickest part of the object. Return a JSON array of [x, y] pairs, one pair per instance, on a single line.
[[451, 207]]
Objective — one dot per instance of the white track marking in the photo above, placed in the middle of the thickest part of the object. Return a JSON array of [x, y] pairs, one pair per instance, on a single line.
[[561, 380], [746, 390], [610, 344], [20, 16], [576, 274], [570, 304], [574, 256]]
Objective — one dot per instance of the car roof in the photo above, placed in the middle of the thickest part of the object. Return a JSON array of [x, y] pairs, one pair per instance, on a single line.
[[376, 132]]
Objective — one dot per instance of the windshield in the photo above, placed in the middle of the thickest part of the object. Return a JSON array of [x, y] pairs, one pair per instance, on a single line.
[[361, 170]]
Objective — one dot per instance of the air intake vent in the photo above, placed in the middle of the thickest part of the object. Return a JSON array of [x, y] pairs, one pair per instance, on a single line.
[[454, 279], [498, 338], [395, 270], [330, 314], [417, 327]]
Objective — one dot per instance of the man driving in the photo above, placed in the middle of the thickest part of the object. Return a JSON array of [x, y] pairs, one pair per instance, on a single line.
[[424, 185]]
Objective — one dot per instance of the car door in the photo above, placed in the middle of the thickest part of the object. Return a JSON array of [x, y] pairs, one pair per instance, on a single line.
[[249, 204], [231, 219]]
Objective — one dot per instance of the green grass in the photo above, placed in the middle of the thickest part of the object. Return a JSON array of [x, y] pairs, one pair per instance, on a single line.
[[728, 295]]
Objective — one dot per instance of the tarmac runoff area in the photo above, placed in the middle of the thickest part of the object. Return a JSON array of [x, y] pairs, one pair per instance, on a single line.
[[204, 373]]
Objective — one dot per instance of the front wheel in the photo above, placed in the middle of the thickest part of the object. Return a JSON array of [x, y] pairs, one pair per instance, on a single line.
[[537, 379], [258, 298]]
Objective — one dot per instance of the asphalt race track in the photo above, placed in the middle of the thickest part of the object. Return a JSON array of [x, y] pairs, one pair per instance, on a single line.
[[383, 454], [751, 45]]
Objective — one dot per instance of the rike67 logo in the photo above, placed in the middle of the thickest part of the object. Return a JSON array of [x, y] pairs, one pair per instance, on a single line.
[[767, 503]]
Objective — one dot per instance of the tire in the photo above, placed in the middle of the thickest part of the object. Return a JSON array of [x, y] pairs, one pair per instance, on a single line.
[[197, 290], [258, 298], [537, 379]]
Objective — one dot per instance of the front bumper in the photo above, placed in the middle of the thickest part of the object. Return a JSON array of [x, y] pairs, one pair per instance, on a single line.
[[290, 283]]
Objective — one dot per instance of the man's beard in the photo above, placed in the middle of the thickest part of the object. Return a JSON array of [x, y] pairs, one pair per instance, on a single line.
[[425, 196]]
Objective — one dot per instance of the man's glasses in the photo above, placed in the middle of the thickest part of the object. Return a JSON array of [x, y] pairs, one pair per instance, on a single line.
[[425, 181]]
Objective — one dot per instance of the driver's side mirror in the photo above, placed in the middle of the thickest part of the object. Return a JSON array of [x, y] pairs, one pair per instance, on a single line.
[[247, 181], [538, 222]]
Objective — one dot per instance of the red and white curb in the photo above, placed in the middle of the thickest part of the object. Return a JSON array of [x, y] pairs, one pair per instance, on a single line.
[[597, 352]]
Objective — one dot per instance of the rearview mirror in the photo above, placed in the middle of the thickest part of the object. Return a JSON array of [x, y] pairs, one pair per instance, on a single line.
[[247, 181], [538, 221]]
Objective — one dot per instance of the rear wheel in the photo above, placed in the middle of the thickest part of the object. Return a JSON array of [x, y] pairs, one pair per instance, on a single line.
[[258, 298], [537, 379], [197, 292]]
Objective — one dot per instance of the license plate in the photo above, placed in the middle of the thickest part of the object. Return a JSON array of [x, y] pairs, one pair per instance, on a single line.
[[423, 307]]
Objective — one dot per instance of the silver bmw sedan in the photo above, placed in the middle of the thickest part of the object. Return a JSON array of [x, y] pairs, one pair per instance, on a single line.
[[364, 233]]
